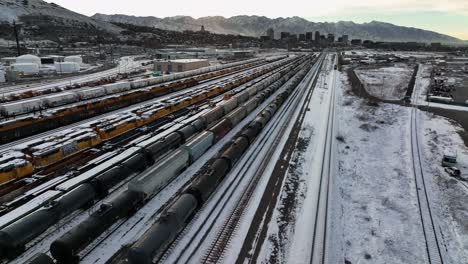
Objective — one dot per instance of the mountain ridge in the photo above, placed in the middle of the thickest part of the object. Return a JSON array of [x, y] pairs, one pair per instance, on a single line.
[[257, 25]]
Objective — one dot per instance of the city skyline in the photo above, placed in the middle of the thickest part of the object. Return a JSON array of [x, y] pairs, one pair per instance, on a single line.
[[450, 17]]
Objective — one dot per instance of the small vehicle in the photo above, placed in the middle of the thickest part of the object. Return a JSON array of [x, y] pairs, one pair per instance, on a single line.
[[336, 67], [449, 160], [453, 171]]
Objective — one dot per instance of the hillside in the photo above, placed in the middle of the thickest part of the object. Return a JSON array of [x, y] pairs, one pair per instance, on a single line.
[[257, 26], [49, 20]]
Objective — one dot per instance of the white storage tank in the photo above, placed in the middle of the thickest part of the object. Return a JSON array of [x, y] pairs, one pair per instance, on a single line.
[[75, 59], [28, 58], [67, 67], [26, 68]]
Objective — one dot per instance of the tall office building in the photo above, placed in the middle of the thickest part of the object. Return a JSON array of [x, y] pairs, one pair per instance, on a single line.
[[317, 36]]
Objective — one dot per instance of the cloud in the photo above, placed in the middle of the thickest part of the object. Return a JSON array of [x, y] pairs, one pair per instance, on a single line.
[[456, 6]]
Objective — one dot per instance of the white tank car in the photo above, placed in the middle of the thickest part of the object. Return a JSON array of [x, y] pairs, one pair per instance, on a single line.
[[21, 107], [139, 83], [61, 99], [161, 174], [90, 93], [154, 80], [117, 87]]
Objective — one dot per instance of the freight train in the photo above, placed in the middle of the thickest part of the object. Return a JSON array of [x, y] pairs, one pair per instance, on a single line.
[[52, 149], [31, 105], [93, 185], [66, 248], [12, 129], [154, 242]]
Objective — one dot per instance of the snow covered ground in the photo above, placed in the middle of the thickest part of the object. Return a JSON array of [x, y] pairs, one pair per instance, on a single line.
[[450, 195], [388, 83], [380, 217], [380, 220]]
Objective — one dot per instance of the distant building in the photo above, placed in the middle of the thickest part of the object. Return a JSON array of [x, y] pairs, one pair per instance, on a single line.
[[180, 65], [271, 34], [308, 36], [331, 38], [356, 42], [284, 35], [292, 37], [367, 42], [302, 37], [436, 45], [345, 39], [317, 36], [340, 39], [7, 61], [323, 39]]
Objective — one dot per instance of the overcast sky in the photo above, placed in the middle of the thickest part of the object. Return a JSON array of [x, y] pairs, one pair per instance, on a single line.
[[444, 16]]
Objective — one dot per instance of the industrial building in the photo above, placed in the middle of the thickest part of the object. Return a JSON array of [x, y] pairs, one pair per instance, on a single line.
[[180, 65]]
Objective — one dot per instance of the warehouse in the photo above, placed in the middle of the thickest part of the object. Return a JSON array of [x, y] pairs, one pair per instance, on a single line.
[[180, 65]]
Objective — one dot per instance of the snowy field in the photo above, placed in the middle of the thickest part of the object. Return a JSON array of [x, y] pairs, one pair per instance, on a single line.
[[450, 195], [388, 83], [380, 220]]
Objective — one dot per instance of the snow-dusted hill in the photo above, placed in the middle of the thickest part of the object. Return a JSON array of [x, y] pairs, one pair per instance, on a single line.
[[26, 10], [257, 26]]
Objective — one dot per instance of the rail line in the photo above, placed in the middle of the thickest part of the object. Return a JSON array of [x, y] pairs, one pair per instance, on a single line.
[[215, 99], [434, 250], [276, 129], [4, 147], [64, 225], [40, 242], [431, 236], [319, 237], [117, 257]]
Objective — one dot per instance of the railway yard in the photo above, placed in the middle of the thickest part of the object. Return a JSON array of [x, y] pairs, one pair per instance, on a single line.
[[285, 158]]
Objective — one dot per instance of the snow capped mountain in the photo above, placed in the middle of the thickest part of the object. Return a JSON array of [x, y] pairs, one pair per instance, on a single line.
[[257, 26], [51, 21]]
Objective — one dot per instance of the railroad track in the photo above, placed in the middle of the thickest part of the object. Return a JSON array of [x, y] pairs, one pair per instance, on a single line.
[[217, 98], [432, 235], [319, 237], [37, 245], [274, 130], [41, 242], [5, 147], [119, 256]]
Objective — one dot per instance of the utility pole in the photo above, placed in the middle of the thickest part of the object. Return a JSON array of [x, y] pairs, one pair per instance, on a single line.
[[17, 39]]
